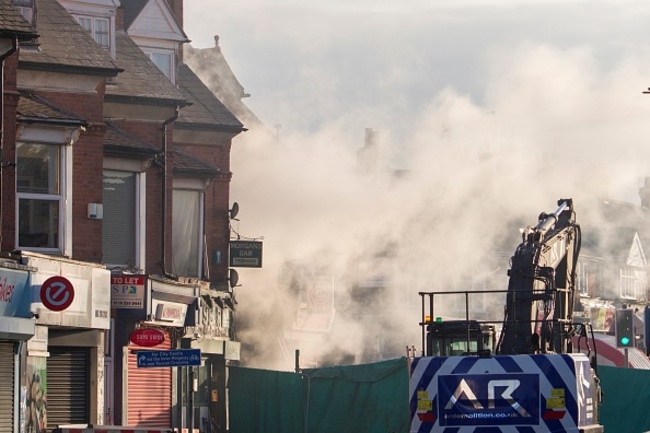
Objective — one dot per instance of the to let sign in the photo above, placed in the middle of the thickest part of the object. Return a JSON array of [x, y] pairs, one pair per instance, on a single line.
[[127, 291], [169, 358], [246, 254]]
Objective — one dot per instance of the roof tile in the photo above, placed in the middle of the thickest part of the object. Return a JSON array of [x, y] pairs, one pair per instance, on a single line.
[[11, 21], [190, 165], [37, 108], [206, 108], [117, 140], [64, 42], [141, 77]]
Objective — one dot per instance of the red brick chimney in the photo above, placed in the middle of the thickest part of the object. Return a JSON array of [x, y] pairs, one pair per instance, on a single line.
[[119, 18], [177, 7]]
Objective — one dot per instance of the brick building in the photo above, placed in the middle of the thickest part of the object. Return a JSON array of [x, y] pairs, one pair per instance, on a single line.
[[114, 220]]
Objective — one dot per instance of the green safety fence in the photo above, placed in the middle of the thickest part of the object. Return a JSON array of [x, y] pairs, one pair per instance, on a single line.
[[626, 399], [367, 398], [373, 398]]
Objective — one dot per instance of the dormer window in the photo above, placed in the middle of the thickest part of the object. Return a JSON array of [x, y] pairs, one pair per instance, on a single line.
[[26, 8], [164, 59], [99, 28]]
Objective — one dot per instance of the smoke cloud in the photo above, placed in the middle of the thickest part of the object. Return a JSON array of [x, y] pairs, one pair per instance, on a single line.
[[434, 203]]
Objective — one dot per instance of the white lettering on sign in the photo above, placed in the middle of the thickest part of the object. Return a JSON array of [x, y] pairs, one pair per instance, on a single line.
[[509, 385], [57, 293], [127, 291], [247, 245], [128, 279]]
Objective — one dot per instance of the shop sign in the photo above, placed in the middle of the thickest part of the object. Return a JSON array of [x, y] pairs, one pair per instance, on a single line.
[[127, 291], [13, 290], [90, 295], [232, 350], [57, 293], [147, 337], [172, 313], [169, 358], [246, 254]]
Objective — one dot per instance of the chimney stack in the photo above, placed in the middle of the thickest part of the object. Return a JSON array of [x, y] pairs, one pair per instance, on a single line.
[[119, 18], [644, 193], [368, 157], [177, 7]]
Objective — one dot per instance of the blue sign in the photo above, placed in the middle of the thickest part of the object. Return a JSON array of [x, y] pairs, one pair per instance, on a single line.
[[168, 358], [15, 296], [488, 399]]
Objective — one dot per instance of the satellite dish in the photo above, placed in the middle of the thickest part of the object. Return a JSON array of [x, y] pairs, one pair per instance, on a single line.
[[233, 278], [234, 211]]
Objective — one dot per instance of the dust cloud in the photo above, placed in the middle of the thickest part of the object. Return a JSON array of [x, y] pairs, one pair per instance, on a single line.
[[360, 215]]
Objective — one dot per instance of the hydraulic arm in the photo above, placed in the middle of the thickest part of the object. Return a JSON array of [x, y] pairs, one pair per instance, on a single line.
[[540, 296]]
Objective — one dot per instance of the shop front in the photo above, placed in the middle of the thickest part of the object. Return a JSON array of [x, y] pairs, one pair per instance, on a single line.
[[206, 407], [65, 357], [158, 308], [16, 326]]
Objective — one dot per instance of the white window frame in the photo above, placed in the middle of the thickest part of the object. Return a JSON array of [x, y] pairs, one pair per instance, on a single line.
[[197, 187], [117, 164], [64, 198], [629, 283], [26, 9], [86, 21], [583, 279], [27, 13], [151, 52]]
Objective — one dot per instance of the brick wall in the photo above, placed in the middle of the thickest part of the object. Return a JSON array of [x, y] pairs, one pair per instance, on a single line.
[[217, 202], [8, 174], [152, 132], [217, 225], [177, 7], [87, 179]]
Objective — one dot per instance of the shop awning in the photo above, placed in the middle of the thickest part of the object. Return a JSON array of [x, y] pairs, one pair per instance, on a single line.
[[612, 356]]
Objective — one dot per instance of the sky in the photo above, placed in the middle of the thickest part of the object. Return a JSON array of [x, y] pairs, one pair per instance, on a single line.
[[494, 109], [380, 64]]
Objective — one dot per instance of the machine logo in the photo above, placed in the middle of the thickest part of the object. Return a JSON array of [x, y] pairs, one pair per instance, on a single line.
[[494, 399]]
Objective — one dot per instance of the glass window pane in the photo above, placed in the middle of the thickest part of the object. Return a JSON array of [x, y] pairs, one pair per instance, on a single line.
[[163, 61], [39, 223], [201, 397], [37, 168], [85, 22], [101, 32], [186, 232], [118, 225], [27, 13]]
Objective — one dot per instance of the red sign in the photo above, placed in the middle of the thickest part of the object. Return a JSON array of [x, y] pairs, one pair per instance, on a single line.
[[147, 337], [57, 293]]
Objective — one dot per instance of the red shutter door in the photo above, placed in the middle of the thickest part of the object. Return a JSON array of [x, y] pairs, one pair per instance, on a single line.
[[149, 390]]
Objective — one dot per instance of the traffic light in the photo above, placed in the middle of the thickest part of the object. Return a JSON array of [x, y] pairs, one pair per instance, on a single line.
[[625, 328]]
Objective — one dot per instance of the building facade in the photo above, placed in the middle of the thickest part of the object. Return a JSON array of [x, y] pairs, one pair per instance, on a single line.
[[114, 220]]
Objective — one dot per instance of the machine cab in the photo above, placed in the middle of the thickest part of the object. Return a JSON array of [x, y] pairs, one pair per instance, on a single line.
[[459, 337]]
